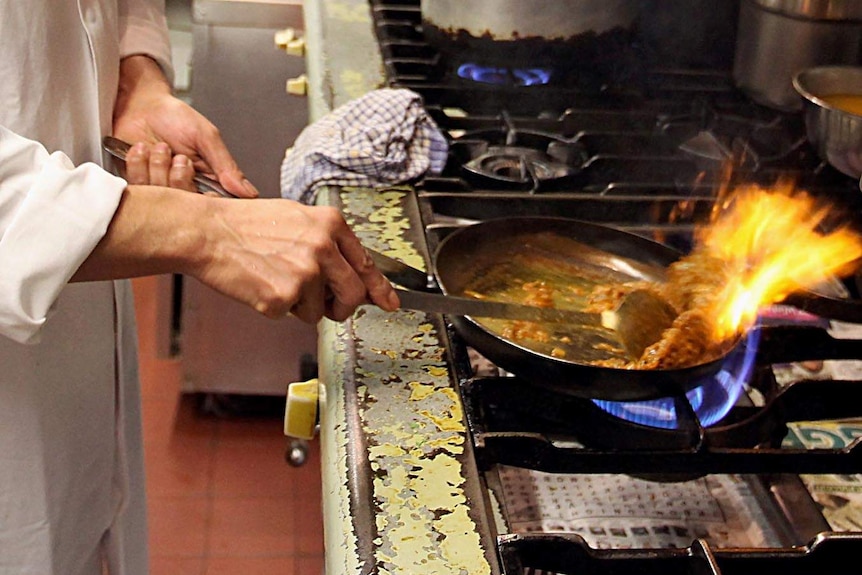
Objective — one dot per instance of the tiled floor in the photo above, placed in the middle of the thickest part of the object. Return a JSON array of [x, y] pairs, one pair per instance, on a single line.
[[222, 500]]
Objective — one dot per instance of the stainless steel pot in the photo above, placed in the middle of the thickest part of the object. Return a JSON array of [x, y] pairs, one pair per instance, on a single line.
[[506, 20], [778, 38], [835, 133], [543, 37]]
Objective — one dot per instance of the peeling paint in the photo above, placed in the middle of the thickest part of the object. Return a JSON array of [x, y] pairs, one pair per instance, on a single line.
[[339, 531], [412, 418], [419, 391]]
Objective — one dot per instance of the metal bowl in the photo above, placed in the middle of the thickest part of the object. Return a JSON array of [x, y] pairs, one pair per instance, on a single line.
[[836, 134]]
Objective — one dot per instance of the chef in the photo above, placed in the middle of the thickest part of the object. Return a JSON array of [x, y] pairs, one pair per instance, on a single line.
[[71, 471]]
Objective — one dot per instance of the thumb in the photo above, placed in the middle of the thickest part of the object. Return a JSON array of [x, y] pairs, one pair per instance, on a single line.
[[216, 155]]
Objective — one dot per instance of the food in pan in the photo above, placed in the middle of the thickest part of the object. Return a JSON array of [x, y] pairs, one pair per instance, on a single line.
[[762, 245], [690, 290]]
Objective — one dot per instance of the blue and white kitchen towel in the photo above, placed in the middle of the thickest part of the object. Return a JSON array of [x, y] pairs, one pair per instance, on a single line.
[[383, 138]]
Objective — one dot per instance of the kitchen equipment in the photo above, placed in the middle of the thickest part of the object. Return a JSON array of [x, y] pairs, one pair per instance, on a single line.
[[527, 33], [778, 38], [835, 132], [523, 19], [619, 255], [518, 467], [118, 149], [637, 323], [238, 82]]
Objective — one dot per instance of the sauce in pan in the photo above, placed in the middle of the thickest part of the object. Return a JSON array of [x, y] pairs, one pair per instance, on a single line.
[[851, 103], [578, 277]]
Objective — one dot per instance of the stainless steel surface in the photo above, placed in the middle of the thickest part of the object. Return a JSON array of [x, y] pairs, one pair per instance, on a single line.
[[775, 40], [118, 149], [400, 273], [455, 305], [238, 81], [837, 135], [816, 10], [255, 13], [514, 19]]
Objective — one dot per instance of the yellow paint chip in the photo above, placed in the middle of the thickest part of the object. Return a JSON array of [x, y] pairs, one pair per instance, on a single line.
[[420, 391], [437, 370]]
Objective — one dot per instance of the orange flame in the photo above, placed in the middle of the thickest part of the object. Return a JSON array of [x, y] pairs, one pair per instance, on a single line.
[[773, 244]]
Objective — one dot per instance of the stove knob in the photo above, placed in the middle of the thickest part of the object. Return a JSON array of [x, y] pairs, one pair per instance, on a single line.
[[300, 413], [300, 419], [298, 86], [289, 41], [284, 37], [295, 47]]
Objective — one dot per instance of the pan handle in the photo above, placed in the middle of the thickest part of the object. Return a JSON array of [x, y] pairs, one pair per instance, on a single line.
[[788, 344], [400, 273]]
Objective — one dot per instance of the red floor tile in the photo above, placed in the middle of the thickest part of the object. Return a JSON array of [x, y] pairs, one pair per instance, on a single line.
[[251, 565], [244, 469], [221, 497], [252, 526], [177, 566], [178, 526], [310, 565]]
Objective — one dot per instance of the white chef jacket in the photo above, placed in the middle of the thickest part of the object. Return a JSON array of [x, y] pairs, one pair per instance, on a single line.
[[71, 465]]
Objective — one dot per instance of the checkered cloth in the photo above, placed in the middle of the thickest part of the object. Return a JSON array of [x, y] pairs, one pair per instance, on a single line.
[[383, 138]]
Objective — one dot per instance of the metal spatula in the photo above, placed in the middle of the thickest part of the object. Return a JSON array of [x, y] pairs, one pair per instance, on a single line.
[[639, 321]]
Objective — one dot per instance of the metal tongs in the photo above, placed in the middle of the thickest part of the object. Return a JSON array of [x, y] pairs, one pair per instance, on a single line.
[[118, 149]]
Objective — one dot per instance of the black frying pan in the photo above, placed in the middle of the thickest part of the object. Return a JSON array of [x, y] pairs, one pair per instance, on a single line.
[[469, 253]]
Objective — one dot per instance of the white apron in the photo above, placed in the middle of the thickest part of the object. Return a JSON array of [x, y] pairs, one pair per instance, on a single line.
[[71, 462]]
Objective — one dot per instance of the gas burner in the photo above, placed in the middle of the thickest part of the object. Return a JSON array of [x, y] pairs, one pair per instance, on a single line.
[[711, 401], [519, 167], [749, 135], [501, 76], [513, 159]]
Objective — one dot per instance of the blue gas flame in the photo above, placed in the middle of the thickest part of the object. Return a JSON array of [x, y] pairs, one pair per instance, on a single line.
[[711, 400], [504, 76]]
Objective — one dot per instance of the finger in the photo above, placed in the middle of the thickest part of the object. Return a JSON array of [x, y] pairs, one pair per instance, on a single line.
[[182, 173], [137, 164], [221, 163], [311, 305], [378, 288], [160, 164]]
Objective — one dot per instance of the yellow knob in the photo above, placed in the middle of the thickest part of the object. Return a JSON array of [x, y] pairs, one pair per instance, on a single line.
[[295, 47], [285, 37], [298, 86], [300, 413]]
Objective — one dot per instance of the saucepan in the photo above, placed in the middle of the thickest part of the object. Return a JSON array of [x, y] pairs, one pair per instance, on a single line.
[[832, 97], [476, 257]]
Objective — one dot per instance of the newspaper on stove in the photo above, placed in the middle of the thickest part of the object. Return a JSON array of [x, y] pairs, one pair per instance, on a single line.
[[614, 511], [839, 496]]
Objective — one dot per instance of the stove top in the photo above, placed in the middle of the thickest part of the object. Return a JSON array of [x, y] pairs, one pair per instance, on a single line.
[[645, 151]]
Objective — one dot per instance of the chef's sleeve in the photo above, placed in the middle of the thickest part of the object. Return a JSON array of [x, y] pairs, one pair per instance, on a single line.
[[52, 215], [143, 30]]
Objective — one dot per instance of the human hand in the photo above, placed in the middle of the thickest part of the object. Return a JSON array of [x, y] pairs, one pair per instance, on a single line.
[[153, 165], [146, 111], [278, 256], [283, 257]]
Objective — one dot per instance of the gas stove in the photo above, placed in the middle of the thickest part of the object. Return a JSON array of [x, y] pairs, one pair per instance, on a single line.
[[718, 480]]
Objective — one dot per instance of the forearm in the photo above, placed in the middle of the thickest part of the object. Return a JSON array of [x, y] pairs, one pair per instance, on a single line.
[[154, 230]]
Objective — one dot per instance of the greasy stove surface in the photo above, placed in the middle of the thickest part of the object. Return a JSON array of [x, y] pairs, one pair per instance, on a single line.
[[648, 155]]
